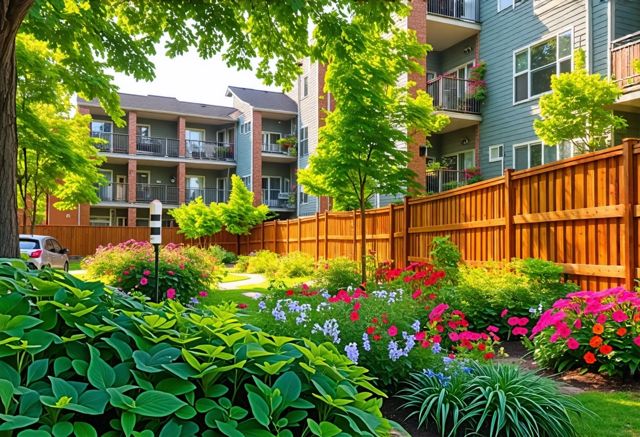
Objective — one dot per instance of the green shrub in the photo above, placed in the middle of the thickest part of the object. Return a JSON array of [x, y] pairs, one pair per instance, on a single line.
[[445, 256], [491, 400], [222, 255], [79, 359], [336, 274], [296, 265], [264, 262], [185, 272], [242, 264]]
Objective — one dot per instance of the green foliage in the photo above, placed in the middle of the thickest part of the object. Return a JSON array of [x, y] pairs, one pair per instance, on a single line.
[[222, 255], [295, 265], [492, 400], [578, 110], [77, 358], [337, 274], [239, 215], [445, 256], [478, 85], [242, 264], [263, 261], [185, 272], [197, 219]]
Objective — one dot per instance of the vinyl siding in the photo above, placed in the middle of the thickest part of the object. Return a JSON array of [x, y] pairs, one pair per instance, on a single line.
[[455, 56], [244, 143], [280, 126], [627, 17], [160, 128], [600, 37]]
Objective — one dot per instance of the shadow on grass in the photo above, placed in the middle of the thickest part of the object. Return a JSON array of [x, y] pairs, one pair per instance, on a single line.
[[616, 414]]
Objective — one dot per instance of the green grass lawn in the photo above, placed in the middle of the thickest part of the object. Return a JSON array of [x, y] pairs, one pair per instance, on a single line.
[[74, 264], [615, 414], [233, 277], [262, 286]]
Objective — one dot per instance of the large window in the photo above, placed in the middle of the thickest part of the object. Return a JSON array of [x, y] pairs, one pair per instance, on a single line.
[[143, 130], [304, 197], [194, 141], [461, 160], [245, 128], [534, 65], [304, 141], [195, 187], [101, 129], [528, 155]]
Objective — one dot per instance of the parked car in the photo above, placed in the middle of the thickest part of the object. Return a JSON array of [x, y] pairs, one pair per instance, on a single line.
[[43, 251]]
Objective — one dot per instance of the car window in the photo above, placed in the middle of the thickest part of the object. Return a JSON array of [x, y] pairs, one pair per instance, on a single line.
[[48, 245], [29, 244], [56, 245]]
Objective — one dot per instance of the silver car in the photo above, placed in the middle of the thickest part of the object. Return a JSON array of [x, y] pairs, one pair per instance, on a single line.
[[42, 251]]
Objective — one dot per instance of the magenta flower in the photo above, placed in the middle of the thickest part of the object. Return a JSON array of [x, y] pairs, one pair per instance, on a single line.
[[577, 324], [513, 321], [144, 281], [619, 316], [492, 328], [602, 318], [147, 272], [520, 331], [572, 343], [636, 341], [170, 273], [392, 331], [126, 273], [504, 312], [171, 293], [437, 312], [203, 294]]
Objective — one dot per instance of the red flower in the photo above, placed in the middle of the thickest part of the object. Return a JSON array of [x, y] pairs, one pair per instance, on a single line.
[[621, 332], [482, 346], [437, 339], [419, 335], [126, 273], [416, 294], [589, 358], [289, 292], [377, 337], [605, 349], [392, 331], [357, 306], [432, 296], [170, 273], [492, 328], [520, 331], [513, 321], [371, 329], [595, 341], [374, 320], [489, 355], [242, 305], [354, 316]]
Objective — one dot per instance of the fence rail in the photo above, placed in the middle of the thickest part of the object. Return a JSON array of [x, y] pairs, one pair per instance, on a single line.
[[581, 212]]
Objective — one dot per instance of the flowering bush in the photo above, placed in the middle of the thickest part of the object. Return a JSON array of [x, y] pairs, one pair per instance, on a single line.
[[185, 273], [390, 331], [337, 273], [595, 330]]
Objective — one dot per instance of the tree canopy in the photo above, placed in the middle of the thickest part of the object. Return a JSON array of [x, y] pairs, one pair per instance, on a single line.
[[197, 220], [578, 111], [239, 215]]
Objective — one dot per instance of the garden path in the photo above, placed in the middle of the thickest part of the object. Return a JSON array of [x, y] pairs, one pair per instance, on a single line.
[[252, 279]]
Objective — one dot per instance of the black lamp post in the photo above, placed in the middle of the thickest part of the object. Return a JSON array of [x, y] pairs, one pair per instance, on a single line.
[[155, 237]]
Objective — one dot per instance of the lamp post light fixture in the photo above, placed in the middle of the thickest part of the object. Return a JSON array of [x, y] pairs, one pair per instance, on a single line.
[[155, 237]]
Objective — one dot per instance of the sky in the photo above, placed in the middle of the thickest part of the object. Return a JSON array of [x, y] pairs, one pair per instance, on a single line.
[[191, 79]]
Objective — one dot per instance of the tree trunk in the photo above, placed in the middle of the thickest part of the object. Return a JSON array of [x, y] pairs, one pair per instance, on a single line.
[[12, 12], [363, 241]]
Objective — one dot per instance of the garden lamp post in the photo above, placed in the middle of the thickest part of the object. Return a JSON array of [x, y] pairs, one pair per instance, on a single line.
[[155, 237]]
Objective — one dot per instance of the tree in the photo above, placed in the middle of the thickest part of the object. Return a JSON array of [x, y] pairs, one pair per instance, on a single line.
[[577, 109], [359, 150], [94, 36], [239, 215], [56, 155], [198, 220]]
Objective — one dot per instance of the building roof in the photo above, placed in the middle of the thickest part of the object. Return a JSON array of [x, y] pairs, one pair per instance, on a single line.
[[265, 100], [167, 105]]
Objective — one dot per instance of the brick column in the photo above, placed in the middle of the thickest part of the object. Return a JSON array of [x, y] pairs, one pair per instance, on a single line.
[[131, 179], [256, 171], [181, 176], [132, 215], [133, 125], [182, 148], [417, 21]]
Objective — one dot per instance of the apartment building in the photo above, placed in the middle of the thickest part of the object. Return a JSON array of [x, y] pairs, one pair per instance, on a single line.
[[522, 43], [177, 151]]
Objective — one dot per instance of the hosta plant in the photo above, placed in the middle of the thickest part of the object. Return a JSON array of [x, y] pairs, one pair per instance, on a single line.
[[185, 273], [77, 358], [596, 330]]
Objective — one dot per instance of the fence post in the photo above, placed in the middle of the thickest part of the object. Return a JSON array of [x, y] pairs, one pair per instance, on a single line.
[[317, 236], [628, 199], [326, 235], [299, 236], [405, 232], [392, 251], [509, 231], [262, 237], [288, 237], [355, 236]]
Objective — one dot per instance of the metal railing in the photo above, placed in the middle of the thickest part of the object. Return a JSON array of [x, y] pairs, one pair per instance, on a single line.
[[209, 150], [279, 200], [461, 9], [114, 143], [208, 194], [114, 192], [277, 148], [156, 146], [625, 52], [444, 179], [149, 192], [453, 94]]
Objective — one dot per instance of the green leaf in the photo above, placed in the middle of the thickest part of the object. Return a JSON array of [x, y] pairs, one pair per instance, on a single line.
[[123, 349], [61, 365], [229, 429], [37, 370], [61, 388], [128, 422], [175, 386], [84, 429], [290, 386], [171, 429], [62, 429], [33, 433], [99, 373], [6, 393], [157, 404], [15, 422], [259, 408], [187, 412]]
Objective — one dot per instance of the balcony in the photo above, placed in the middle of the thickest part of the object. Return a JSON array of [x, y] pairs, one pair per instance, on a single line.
[[278, 153], [209, 150], [454, 97], [112, 142], [164, 193], [114, 192], [277, 200], [451, 21], [444, 179], [625, 52], [208, 195], [156, 146]]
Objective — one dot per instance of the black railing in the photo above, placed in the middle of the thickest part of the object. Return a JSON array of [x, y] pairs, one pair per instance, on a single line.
[[460, 9], [112, 142], [208, 150], [278, 148], [453, 94], [208, 194], [156, 146], [149, 192]]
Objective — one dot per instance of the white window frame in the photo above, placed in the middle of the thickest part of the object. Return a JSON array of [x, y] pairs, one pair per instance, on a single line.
[[496, 147], [246, 180], [302, 151], [527, 48], [245, 127], [528, 145], [110, 123], [269, 133], [462, 152], [148, 126], [514, 3], [305, 86], [286, 185], [225, 189], [304, 197]]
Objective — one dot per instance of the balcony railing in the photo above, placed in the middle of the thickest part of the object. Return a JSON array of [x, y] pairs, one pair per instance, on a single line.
[[625, 52], [208, 194], [444, 179], [113, 142], [156, 146], [149, 192], [209, 150], [277, 148], [114, 192], [461, 9], [276, 200], [453, 94]]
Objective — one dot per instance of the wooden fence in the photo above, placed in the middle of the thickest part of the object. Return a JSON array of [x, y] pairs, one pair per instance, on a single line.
[[582, 212]]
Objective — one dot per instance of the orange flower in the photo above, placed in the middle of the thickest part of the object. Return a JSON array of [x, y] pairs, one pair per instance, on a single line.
[[636, 317], [598, 328], [621, 332], [605, 349], [595, 341], [589, 358]]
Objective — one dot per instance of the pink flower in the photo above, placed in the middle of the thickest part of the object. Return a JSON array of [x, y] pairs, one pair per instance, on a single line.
[[619, 316], [203, 294], [522, 321], [181, 266], [453, 336], [636, 341], [170, 273], [416, 294], [126, 273], [572, 343], [520, 331], [171, 293], [357, 306], [492, 328], [602, 318], [419, 336], [437, 312], [513, 321], [144, 281], [147, 272], [242, 306], [354, 316], [392, 331], [577, 324], [504, 312]]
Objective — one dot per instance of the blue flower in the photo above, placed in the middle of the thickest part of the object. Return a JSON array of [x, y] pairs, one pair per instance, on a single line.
[[447, 361], [436, 348], [416, 326], [194, 300], [394, 352], [352, 352], [366, 345], [330, 328], [262, 305]]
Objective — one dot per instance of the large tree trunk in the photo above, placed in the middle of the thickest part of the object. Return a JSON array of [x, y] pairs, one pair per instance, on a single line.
[[12, 12]]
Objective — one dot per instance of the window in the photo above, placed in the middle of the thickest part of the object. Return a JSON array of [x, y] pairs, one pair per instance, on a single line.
[[305, 86], [461, 160], [566, 149], [304, 141], [504, 4], [304, 197], [143, 130], [528, 155], [221, 188], [534, 65], [496, 153], [194, 141], [247, 181], [245, 128], [271, 189], [195, 187], [101, 129], [270, 141]]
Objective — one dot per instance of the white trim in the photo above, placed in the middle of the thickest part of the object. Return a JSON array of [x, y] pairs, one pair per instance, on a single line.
[[454, 21], [493, 147], [611, 11], [148, 126], [513, 5], [225, 189], [187, 176], [588, 25], [460, 67], [528, 144], [107, 170], [195, 129], [97, 120], [300, 141], [462, 152]]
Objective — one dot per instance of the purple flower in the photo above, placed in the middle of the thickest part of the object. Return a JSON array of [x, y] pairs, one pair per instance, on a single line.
[[366, 345], [352, 352]]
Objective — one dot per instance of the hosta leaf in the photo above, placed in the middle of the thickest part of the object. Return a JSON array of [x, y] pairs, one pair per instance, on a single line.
[[175, 386], [99, 373], [157, 404], [259, 408], [123, 349], [229, 429], [6, 393], [84, 429], [15, 421], [37, 370], [61, 365], [187, 412], [128, 422], [62, 429], [171, 429], [290, 386]]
